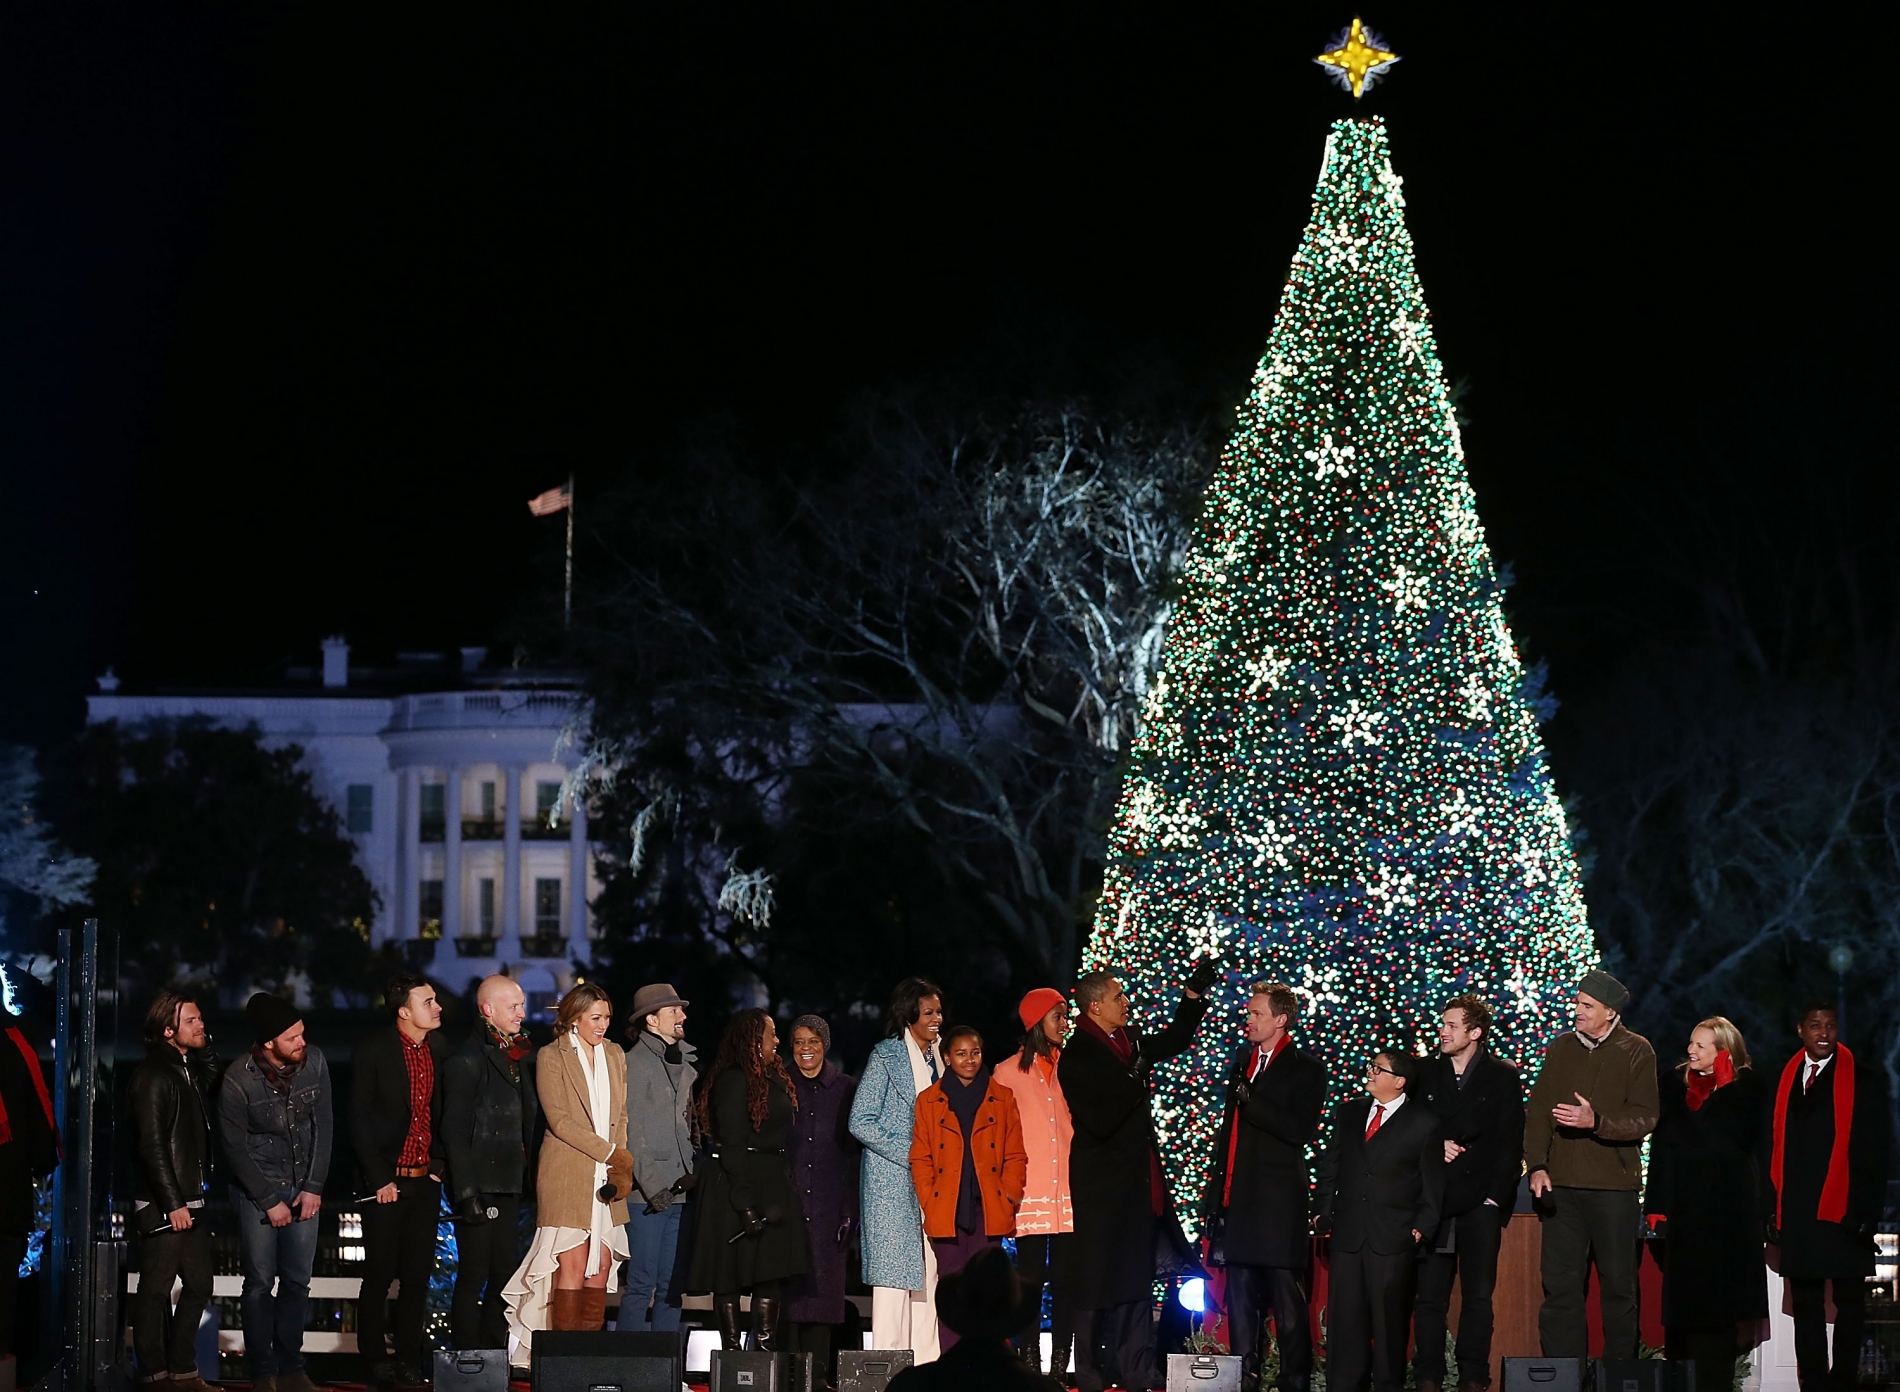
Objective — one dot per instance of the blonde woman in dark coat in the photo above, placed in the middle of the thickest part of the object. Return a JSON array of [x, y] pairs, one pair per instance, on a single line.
[[581, 1079]]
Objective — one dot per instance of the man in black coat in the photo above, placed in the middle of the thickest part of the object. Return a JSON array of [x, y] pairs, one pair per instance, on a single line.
[[1115, 1181], [490, 1115], [1381, 1191], [1479, 1101], [1257, 1192], [396, 1126], [1827, 1169], [167, 1104]]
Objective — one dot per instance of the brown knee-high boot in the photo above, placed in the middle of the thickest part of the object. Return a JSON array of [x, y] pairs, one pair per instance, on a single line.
[[593, 1308], [564, 1309]]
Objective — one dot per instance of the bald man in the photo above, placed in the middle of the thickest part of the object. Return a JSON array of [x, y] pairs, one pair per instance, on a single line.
[[490, 1118]]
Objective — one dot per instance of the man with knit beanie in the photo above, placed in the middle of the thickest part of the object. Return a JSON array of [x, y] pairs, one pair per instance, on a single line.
[[274, 1114], [1592, 1105]]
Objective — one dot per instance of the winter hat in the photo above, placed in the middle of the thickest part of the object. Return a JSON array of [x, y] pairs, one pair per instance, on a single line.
[[1037, 1004], [1600, 986], [270, 1015]]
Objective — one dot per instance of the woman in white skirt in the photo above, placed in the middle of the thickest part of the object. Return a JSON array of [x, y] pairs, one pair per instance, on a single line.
[[581, 1240]]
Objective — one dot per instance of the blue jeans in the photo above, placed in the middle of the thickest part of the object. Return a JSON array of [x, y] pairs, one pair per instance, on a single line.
[[652, 1241], [273, 1324]]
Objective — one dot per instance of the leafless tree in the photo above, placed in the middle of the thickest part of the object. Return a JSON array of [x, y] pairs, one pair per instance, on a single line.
[[960, 636]]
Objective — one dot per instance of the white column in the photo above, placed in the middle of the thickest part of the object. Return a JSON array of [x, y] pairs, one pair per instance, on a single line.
[[410, 914], [452, 856], [510, 947], [578, 948]]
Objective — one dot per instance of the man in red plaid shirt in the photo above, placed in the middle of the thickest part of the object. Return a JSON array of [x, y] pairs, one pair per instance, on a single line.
[[396, 1126]]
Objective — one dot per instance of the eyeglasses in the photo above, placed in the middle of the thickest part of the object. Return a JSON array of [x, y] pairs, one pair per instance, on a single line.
[[1372, 1068]]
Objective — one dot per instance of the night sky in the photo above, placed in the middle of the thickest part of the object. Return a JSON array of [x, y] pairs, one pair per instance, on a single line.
[[300, 305]]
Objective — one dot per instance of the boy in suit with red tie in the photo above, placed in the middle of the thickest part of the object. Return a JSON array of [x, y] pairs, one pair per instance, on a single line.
[[1381, 1192]]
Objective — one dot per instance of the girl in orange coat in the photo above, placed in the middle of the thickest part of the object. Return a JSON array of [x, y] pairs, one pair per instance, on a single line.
[[966, 1157]]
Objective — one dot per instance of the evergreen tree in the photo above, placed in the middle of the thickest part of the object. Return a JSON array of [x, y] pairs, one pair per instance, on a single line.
[[1339, 780]]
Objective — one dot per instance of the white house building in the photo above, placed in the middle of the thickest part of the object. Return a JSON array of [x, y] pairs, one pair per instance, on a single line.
[[448, 781]]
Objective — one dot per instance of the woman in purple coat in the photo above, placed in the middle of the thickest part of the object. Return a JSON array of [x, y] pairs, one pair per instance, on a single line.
[[824, 1158]]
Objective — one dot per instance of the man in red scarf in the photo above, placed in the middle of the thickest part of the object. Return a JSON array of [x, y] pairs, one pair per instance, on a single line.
[[1827, 1168], [1115, 1185], [1257, 1195]]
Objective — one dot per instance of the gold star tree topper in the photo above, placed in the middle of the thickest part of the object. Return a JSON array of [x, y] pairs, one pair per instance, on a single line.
[[1358, 59]]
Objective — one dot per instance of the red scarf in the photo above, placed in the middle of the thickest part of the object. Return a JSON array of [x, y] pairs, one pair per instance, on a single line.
[[1254, 1066], [1123, 1048], [1833, 1205], [39, 1086], [1702, 1086]]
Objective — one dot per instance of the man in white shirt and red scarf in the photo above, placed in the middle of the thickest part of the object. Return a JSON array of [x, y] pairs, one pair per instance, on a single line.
[[1827, 1172]]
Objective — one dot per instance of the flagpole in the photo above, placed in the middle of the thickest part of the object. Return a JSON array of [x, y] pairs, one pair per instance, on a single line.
[[567, 604]]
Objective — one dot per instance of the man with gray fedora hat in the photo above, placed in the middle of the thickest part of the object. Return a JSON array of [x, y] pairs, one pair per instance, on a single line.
[[660, 1077], [1592, 1105]]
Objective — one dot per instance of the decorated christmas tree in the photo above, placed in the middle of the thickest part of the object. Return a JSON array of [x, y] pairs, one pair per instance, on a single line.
[[1339, 780]]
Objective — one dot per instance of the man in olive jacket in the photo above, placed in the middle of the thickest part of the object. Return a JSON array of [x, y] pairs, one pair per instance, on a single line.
[[1591, 1107], [490, 1114]]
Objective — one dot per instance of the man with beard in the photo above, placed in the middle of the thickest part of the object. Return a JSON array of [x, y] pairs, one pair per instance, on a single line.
[[274, 1113], [660, 1076]]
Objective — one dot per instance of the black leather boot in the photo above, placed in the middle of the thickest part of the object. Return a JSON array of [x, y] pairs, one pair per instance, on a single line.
[[765, 1313], [726, 1309]]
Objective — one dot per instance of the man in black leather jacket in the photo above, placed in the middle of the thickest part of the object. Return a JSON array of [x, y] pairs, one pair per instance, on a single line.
[[171, 1138], [490, 1116]]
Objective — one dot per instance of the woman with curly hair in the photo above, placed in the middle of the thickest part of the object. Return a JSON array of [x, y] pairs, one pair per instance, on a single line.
[[751, 1231]]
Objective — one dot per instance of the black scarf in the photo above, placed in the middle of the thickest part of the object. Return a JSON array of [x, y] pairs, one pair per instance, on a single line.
[[279, 1079], [965, 1100]]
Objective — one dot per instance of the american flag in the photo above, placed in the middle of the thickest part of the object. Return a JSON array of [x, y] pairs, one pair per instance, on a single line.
[[553, 501]]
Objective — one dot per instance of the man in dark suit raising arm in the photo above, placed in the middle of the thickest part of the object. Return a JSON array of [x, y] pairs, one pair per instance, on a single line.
[[1381, 1192]]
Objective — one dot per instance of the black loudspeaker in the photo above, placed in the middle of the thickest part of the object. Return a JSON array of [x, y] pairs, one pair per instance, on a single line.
[[471, 1370], [1543, 1375], [603, 1361], [1203, 1372], [1645, 1375], [871, 1370], [750, 1370]]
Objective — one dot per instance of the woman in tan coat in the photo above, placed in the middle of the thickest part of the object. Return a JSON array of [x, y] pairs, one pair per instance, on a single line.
[[581, 1238]]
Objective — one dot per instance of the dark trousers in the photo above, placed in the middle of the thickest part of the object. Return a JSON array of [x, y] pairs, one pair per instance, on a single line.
[[953, 1254], [1368, 1315], [1585, 1225], [166, 1342], [1810, 1331], [1252, 1293], [1474, 1261], [1712, 1348], [1116, 1346], [399, 1244], [1036, 1259], [12, 1253], [486, 1254]]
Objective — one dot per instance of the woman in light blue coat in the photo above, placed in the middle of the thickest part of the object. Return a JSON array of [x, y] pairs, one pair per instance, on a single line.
[[898, 1264]]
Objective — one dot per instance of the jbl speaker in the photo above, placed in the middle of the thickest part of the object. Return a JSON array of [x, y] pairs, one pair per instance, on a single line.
[[607, 1361], [1203, 1372], [1645, 1375], [871, 1370], [1543, 1375], [471, 1370], [749, 1370]]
